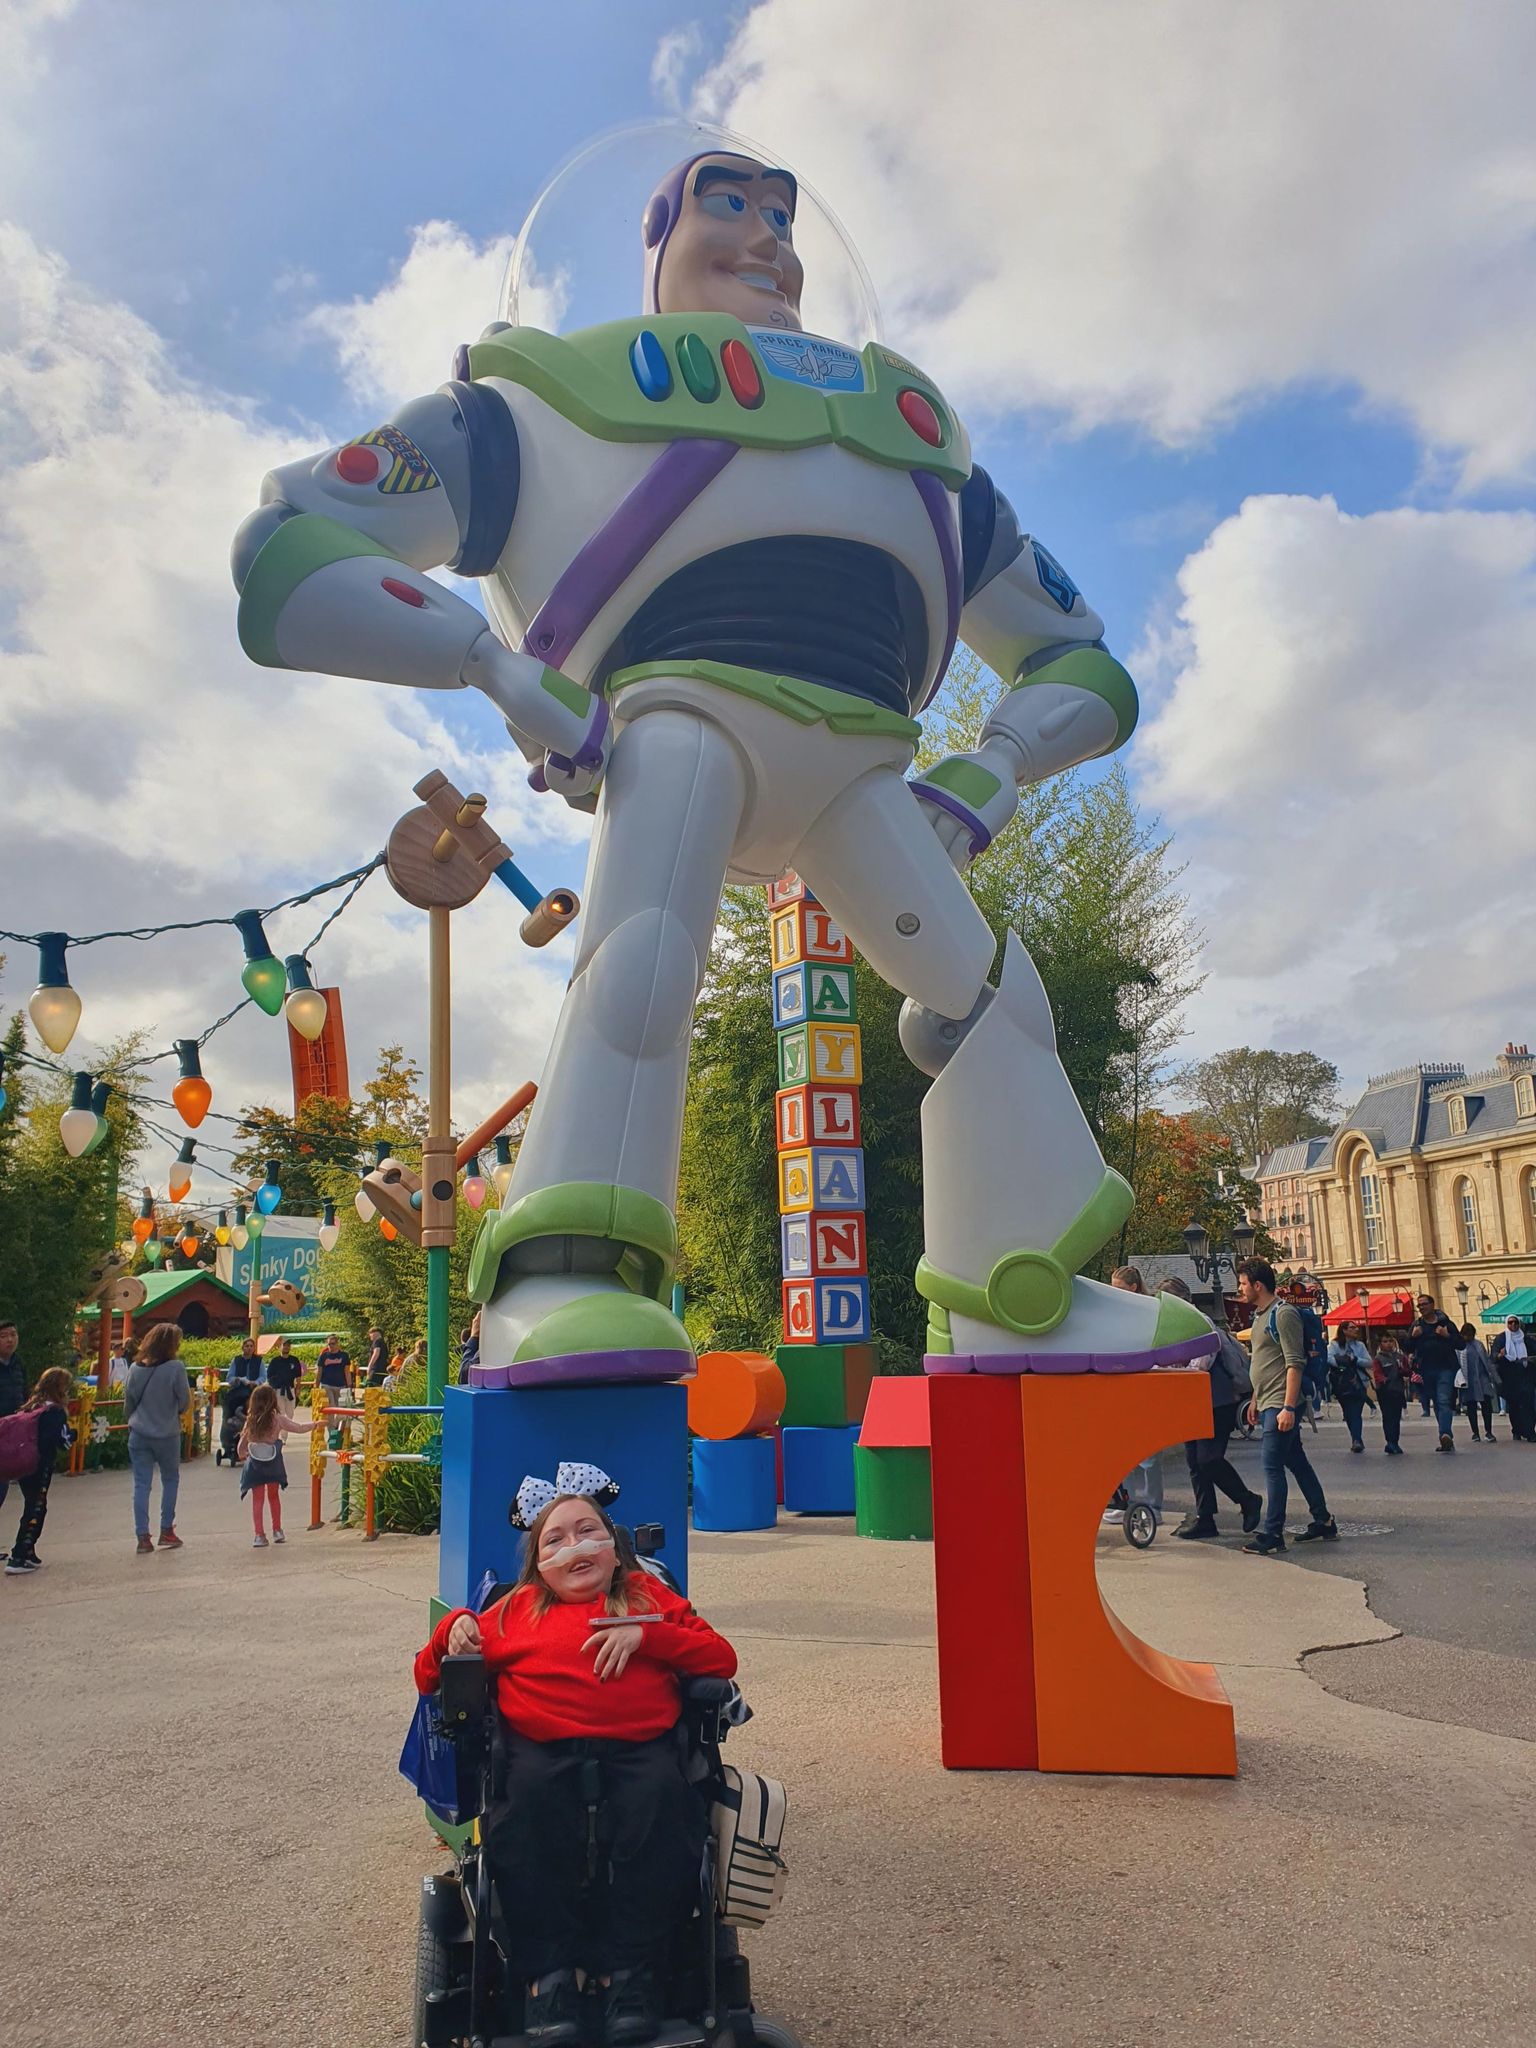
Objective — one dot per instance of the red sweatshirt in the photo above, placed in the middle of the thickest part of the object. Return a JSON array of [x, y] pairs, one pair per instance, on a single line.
[[546, 1687]]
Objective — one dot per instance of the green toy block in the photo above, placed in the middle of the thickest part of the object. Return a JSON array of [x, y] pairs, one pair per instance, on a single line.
[[893, 1494], [826, 1385]]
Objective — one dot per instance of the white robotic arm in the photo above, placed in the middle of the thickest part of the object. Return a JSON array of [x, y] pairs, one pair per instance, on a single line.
[[331, 573], [1069, 699]]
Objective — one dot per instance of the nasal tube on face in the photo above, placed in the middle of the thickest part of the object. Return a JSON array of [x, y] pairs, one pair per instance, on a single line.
[[589, 1546]]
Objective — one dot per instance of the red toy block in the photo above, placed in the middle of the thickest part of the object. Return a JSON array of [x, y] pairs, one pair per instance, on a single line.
[[807, 1116], [896, 1415], [986, 1639]]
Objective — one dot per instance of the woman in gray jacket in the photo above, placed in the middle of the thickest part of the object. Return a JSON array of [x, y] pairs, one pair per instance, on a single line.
[[155, 1399], [1482, 1380]]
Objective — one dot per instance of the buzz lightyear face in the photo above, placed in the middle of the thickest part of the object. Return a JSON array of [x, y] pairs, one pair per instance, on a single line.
[[730, 248]]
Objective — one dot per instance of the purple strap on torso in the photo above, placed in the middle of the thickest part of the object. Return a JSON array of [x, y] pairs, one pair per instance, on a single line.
[[936, 504], [677, 476]]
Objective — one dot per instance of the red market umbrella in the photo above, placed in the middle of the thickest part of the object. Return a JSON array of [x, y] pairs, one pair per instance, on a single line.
[[1382, 1311]]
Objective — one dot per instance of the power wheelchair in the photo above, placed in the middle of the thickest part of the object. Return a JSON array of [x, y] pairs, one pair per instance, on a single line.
[[465, 1996]]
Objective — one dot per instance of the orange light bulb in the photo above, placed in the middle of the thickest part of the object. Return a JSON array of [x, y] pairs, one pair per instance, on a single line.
[[388, 1229], [192, 1097], [142, 1226]]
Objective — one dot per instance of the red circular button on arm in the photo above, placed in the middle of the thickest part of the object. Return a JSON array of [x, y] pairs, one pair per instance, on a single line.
[[406, 593], [920, 417], [741, 374], [356, 465]]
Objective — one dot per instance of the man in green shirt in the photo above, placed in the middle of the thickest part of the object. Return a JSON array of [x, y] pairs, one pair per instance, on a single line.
[[1278, 1358]]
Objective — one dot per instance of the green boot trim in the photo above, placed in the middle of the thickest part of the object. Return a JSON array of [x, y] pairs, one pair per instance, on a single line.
[[604, 1322], [1177, 1322], [940, 1343], [1030, 1292], [1094, 669], [645, 1228], [806, 703], [297, 549]]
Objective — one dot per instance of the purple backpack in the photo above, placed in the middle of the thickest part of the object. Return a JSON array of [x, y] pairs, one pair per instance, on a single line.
[[19, 1454]]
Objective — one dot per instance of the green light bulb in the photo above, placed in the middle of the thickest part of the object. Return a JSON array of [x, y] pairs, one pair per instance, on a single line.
[[265, 982]]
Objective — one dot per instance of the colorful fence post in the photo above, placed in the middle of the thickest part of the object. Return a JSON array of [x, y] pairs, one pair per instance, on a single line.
[[826, 1357]]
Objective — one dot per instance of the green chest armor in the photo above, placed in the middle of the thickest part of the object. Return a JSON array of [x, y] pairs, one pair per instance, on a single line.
[[705, 376]]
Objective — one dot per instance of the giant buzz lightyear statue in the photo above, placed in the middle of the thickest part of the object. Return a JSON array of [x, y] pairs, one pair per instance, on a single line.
[[726, 563]]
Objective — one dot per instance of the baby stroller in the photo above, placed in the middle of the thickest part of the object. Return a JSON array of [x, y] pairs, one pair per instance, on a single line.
[[465, 1997], [237, 1398], [1138, 1501]]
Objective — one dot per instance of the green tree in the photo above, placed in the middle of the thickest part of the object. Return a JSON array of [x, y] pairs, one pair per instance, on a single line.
[[1261, 1098], [323, 1140], [395, 1107]]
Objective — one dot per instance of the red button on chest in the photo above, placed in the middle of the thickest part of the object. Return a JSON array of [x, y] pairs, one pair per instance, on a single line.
[[356, 465], [741, 374], [404, 591], [920, 417]]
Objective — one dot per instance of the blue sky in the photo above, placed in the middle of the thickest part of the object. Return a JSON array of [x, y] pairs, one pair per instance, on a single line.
[[1246, 339]]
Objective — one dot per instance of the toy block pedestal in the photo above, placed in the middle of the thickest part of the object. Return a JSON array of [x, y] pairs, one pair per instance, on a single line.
[[1037, 1673], [494, 1437], [735, 1483], [818, 1470]]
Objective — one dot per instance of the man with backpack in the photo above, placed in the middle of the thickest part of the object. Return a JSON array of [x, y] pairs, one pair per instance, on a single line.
[[1209, 1466], [1277, 1369], [13, 1379]]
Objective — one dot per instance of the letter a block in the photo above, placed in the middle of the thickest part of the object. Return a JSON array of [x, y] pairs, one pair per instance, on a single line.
[[814, 990], [1037, 1673]]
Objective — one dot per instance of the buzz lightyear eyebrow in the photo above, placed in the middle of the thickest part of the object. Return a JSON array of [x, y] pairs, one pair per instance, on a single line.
[[708, 173]]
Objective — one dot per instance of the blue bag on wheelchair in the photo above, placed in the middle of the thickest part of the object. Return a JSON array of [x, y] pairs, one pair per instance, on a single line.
[[430, 1762]]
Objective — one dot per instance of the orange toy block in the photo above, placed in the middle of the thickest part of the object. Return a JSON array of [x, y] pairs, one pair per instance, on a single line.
[[735, 1393], [1105, 1700], [1048, 1678]]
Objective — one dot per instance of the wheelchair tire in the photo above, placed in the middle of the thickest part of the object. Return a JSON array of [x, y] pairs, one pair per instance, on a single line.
[[772, 2033], [1140, 1526], [435, 1971]]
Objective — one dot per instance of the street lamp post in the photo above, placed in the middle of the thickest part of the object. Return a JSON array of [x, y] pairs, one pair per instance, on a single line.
[[1462, 1291], [1209, 1259]]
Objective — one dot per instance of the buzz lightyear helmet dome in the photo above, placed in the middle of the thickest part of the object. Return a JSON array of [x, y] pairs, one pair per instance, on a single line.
[[592, 246]]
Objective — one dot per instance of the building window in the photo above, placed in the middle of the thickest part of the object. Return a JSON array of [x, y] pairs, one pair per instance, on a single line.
[[1530, 1207], [1373, 1220], [1459, 1115], [1525, 1095], [1467, 1203]]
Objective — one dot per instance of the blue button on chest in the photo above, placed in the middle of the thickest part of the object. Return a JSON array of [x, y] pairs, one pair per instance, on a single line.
[[648, 360]]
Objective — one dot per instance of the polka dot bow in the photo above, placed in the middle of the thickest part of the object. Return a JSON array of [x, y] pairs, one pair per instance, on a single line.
[[534, 1495]]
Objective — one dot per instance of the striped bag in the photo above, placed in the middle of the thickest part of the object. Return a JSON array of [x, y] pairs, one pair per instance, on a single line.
[[749, 1826]]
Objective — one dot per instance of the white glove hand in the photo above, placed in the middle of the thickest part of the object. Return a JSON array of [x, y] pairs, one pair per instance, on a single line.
[[969, 798]]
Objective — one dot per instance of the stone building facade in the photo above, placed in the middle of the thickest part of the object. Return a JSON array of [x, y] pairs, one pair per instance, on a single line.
[[1429, 1184], [1285, 1204]]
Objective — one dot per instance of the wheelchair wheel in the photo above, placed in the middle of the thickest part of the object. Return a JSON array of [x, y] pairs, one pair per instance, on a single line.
[[773, 2033], [1140, 1526], [435, 1971]]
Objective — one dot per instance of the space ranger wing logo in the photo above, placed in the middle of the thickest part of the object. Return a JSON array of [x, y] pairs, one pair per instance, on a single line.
[[409, 469], [807, 359], [1053, 578]]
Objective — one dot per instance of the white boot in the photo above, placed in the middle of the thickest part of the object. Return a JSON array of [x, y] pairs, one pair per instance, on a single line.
[[1016, 1197]]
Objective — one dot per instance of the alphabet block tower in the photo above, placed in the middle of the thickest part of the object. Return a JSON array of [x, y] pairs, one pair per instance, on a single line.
[[826, 1357]]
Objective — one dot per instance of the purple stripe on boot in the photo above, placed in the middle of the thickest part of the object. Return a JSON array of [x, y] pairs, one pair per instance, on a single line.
[[588, 1369]]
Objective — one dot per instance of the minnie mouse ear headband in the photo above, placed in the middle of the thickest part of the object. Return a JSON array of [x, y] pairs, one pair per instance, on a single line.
[[584, 1482]]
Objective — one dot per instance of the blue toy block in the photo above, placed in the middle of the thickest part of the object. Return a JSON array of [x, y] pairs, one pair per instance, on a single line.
[[841, 1310], [837, 1177], [734, 1483], [494, 1437], [791, 997], [818, 1470]]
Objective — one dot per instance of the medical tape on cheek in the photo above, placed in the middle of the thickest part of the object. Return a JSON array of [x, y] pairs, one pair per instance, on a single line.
[[589, 1546]]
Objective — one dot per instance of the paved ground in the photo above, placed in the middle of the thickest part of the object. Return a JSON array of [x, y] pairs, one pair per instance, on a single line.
[[202, 1839]]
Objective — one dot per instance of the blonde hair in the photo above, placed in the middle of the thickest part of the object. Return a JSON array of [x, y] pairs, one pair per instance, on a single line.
[[56, 1384], [625, 1594], [163, 1341]]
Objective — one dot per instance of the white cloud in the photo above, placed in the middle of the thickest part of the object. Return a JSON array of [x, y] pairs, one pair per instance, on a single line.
[[153, 774], [676, 55], [1157, 212], [24, 29], [1342, 741]]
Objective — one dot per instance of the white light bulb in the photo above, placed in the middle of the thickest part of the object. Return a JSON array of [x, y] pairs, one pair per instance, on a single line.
[[362, 1204], [328, 1234], [77, 1127], [305, 1011], [239, 1237], [55, 1012]]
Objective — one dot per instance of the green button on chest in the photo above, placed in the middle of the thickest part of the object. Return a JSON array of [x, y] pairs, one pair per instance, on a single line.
[[698, 368]]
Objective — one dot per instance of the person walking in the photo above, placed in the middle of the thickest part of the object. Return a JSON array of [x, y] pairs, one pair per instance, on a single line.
[[155, 1399], [1481, 1381], [1278, 1364], [1388, 1370], [1432, 1343], [283, 1375], [376, 1363], [261, 1446], [13, 1380], [51, 1434], [1349, 1380], [333, 1377], [1210, 1470], [1511, 1357], [122, 1359]]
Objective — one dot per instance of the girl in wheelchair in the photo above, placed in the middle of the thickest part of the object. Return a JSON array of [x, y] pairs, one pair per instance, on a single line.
[[586, 1654]]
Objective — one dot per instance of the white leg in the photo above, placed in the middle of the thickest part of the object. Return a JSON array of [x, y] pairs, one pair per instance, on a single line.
[[1015, 1192], [590, 1206]]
